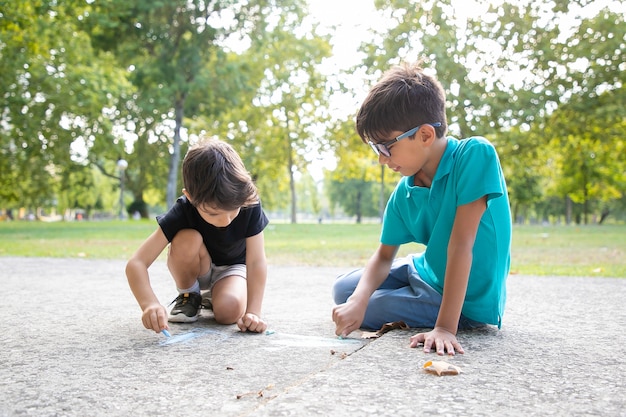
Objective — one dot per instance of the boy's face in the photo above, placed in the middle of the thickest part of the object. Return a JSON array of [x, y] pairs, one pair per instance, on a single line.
[[405, 154], [217, 217], [213, 215], [383, 148]]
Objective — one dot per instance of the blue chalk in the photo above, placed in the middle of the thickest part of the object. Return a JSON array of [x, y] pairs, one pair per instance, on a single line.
[[166, 333]]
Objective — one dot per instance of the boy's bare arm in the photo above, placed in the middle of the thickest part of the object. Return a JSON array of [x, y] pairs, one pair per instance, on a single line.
[[459, 264], [139, 281], [443, 336], [256, 267], [349, 316]]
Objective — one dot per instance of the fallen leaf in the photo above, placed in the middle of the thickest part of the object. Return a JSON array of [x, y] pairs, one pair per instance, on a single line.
[[386, 328], [441, 368]]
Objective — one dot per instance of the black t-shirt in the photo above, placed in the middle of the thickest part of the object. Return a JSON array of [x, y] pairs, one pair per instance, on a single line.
[[226, 245]]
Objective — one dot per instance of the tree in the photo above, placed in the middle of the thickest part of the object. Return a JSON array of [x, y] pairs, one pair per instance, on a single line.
[[165, 46], [177, 53], [309, 201], [591, 162], [507, 67], [55, 102], [290, 96], [358, 184]]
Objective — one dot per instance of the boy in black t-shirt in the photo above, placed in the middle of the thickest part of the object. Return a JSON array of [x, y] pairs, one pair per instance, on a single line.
[[215, 236]]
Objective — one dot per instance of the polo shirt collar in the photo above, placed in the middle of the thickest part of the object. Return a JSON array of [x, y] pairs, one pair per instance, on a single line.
[[444, 168], [447, 159]]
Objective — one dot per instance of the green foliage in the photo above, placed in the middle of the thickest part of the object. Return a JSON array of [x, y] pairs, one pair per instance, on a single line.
[[359, 185], [286, 105], [56, 92], [547, 94], [87, 83], [589, 137], [263, 98]]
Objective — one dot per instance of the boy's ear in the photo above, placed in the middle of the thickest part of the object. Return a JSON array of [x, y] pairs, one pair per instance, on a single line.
[[427, 134], [186, 194]]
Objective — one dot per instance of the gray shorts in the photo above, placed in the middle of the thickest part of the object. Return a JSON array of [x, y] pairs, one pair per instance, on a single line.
[[208, 280]]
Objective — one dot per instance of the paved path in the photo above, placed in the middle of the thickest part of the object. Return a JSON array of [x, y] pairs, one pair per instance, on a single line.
[[73, 345]]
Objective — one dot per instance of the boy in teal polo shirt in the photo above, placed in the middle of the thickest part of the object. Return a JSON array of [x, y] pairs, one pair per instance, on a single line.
[[452, 198]]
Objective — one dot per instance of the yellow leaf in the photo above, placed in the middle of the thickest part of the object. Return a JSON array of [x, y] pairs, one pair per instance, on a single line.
[[441, 368]]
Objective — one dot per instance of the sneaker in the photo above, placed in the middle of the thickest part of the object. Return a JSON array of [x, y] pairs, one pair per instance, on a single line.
[[186, 308]]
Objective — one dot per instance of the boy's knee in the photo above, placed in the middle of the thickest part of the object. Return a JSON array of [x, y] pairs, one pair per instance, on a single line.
[[228, 309], [337, 294], [186, 244], [342, 289]]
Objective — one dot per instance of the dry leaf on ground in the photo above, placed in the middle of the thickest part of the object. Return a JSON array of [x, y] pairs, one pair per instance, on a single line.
[[386, 327], [441, 368]]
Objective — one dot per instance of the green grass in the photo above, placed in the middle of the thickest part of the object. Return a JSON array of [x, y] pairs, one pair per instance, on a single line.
[[537, 250]]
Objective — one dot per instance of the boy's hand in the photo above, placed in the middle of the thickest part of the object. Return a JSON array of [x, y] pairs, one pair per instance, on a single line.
[[154, 317], [442, 340], [252, 323], [348, 317]]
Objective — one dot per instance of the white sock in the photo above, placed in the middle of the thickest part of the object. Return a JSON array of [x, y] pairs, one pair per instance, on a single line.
[[194, 288]]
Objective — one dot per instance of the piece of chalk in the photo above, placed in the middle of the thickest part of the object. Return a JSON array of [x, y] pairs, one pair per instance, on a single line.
[[269, 332], [166, 333]]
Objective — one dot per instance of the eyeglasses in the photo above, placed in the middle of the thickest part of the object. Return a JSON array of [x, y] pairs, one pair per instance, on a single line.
[[383, 148]]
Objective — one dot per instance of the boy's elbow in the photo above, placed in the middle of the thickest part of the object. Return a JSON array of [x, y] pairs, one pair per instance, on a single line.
[[132, 266], [129, 269]]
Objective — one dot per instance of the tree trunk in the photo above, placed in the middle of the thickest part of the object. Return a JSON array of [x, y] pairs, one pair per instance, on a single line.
[[359, 215], [172, 178], [585, 195], [292, 183], [605, 213]]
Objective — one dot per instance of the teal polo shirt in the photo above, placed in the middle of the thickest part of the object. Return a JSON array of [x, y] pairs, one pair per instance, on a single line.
[[468, 170]]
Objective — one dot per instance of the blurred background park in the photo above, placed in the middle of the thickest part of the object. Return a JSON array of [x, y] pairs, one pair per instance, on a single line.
[[101, 100]]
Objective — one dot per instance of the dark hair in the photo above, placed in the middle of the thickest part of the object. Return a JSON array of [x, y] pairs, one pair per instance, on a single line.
[[404, 98], [214, 175]]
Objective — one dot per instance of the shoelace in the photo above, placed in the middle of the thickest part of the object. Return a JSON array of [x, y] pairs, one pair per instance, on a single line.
[[184, 300]]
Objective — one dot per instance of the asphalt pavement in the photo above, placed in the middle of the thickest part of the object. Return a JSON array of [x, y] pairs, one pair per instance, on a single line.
[[73, 344]]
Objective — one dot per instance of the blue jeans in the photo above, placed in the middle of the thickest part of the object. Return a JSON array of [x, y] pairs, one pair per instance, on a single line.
[[403, 296]]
